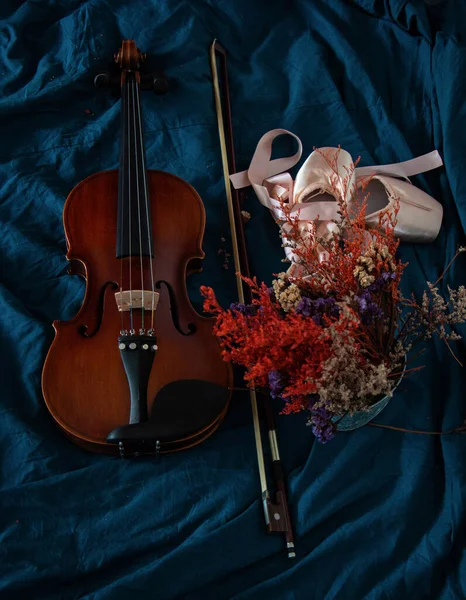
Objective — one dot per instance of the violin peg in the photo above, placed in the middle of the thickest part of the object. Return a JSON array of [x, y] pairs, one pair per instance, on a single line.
[[160, 85], [102, 80]]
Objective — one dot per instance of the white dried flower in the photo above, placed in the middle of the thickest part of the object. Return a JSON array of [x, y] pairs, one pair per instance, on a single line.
[[347, 383], [438, 303], [458, 305], [288, 294], [366, 280], [383, 251], [367, 261]]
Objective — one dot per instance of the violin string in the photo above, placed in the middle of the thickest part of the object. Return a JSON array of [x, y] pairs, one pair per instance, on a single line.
[[135, 107], [129, 211], [122, 192], [149, 235]]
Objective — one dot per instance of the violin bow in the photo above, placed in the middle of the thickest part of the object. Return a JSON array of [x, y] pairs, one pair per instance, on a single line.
[[276, 510]]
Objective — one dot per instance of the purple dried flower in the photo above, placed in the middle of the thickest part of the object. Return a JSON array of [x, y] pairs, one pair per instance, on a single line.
[[362, 303], [317, 308], [332, 307], [324, 430], [249, 310], [387, 276], [369, 310], [381, 281], [277, 383], [319, 304], [321, 421], [304, 307]]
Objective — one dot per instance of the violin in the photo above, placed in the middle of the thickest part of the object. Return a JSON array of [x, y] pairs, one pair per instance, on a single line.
[[137, 371]]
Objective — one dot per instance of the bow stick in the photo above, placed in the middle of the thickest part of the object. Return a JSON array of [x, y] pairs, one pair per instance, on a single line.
[[276, 511]]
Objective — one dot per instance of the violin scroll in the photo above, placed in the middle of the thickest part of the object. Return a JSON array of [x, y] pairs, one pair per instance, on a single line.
[[130, 59]]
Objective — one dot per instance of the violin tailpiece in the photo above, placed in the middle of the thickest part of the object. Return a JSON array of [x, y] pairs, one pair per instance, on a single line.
[[137, 353]]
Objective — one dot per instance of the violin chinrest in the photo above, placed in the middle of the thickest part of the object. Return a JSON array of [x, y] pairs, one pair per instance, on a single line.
[[181, 409]]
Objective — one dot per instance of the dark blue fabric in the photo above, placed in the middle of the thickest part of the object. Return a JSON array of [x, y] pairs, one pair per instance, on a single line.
[[378, 514]]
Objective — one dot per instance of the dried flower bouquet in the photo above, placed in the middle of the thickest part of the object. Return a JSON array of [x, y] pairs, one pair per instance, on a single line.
[[331, 335]]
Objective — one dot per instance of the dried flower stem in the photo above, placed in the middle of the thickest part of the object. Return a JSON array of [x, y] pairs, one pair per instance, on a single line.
[[460, 429], [449, 265], [452, 353]]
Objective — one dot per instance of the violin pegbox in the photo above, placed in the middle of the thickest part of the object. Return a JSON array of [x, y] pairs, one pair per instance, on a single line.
[[129, 59]]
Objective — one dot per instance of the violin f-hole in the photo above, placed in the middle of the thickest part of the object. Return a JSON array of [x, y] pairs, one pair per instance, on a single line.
[[174, 310], [83, 329]]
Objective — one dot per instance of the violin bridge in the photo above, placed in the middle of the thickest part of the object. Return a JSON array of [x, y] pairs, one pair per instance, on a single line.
[[133, 299]]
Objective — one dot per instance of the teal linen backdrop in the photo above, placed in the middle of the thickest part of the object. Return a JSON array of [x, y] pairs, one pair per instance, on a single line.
[[378, 514]]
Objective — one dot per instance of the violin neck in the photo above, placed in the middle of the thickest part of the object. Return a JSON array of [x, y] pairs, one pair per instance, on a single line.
[[134, 218]]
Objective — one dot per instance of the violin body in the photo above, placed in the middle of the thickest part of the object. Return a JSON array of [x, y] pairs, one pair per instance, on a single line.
[[98, 377]]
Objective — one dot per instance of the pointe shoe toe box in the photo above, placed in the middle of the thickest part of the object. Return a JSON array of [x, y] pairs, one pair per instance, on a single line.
[[420, 216]]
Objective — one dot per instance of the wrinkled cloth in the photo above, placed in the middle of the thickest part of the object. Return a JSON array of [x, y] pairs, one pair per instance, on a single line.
[[377, 513]]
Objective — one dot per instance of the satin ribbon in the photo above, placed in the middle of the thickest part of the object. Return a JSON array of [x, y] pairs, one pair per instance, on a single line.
[[266, 175]]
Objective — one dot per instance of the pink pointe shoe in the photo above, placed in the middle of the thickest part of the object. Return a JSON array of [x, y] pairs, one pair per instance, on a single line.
[[329, 173], [420, 216], [323, 178]]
